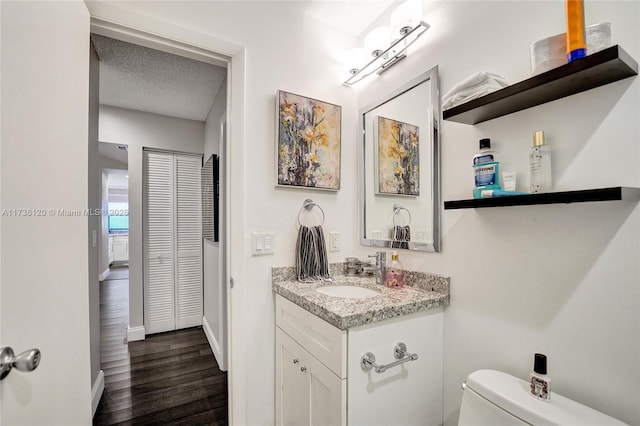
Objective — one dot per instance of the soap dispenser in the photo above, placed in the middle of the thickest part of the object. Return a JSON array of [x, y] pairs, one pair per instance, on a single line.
[[395, 272]]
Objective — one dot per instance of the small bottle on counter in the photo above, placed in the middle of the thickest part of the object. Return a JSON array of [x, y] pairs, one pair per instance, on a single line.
[[395, 272], [539, 380]]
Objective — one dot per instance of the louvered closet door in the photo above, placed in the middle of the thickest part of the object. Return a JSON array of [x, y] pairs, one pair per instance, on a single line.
[[189, 241], [159, 242]]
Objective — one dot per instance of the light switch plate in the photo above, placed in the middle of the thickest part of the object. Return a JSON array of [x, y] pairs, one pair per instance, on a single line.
[[262, 243], [334, 241]]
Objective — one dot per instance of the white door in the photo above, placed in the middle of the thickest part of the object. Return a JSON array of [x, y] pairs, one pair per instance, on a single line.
[[172, 241], [188, 241], [158, 242], [43, 170]]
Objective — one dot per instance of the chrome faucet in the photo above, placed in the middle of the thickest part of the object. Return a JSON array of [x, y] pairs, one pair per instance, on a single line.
[[381, 267]]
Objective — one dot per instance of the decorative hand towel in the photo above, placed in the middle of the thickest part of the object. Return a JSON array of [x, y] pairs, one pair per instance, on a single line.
[[401, 237], [311, 255]]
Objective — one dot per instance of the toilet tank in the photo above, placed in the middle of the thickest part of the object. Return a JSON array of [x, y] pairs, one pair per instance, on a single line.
[[498, 399]]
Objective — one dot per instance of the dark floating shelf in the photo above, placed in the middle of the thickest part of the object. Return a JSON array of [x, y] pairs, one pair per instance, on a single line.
[[618, 193], [604, 67]]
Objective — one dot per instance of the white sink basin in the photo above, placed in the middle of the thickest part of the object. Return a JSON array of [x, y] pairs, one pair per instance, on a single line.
[[347, 291]]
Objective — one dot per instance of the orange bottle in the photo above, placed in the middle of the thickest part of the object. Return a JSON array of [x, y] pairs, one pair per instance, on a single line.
[[576, 45]]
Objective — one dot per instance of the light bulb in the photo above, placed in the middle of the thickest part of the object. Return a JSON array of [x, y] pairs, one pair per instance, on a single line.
[[377, 41], [406, 17], [354, 59]]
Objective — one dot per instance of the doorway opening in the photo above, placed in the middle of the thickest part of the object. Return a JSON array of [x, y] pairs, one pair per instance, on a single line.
[[166, 94], [113, 160]]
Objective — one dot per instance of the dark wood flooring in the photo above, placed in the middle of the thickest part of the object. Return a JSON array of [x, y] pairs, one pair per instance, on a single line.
[[168, 379]]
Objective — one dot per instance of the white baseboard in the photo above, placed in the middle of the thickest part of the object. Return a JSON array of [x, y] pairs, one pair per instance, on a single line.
[[135, 333], [96, 392], [215, 346], [103, 276]]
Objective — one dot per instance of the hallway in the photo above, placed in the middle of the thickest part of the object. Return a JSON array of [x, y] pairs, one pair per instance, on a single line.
[[170, 378]]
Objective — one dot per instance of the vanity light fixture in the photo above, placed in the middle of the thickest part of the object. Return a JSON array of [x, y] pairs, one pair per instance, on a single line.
[[388, 46]]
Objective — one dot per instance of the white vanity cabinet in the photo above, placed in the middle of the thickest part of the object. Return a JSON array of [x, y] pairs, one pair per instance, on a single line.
[[118, 248], [310, 368], [319, 379]]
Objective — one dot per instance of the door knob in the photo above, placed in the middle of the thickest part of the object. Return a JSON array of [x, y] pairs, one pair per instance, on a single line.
[[25, 361]]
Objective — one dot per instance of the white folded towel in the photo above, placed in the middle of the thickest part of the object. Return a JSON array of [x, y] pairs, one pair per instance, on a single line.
[[474, 86]]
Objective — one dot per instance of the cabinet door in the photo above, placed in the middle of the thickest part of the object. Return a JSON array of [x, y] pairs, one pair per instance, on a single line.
[[292, 391], [120, 248], [327, 395], [110, 249], [307, 392]]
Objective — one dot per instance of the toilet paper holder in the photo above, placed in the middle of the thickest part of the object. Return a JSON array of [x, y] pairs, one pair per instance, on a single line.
[[368, 360]]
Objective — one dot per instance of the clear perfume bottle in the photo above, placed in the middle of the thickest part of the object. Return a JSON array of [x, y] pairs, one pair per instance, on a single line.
[[540, 382], [395, 272], [539, 165]]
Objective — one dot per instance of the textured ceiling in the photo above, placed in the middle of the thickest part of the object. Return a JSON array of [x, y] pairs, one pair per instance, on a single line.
[[149, 80]]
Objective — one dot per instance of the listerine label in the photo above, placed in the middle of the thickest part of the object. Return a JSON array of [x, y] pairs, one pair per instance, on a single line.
[[486, 174], [483, 159]]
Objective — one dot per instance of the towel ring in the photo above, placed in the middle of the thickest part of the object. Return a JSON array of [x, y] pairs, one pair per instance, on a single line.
[[307, 205], [396, 211]]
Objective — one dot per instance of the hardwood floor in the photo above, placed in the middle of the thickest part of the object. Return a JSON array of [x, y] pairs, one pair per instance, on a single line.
[[168, 379]]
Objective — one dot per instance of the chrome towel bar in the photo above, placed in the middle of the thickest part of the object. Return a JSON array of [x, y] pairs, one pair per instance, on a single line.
[[368, 360]]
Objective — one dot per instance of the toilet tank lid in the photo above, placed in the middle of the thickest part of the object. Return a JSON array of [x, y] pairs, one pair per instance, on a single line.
[[512, 395]]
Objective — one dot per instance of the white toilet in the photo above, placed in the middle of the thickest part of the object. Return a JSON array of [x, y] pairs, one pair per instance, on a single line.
[[494, 398]]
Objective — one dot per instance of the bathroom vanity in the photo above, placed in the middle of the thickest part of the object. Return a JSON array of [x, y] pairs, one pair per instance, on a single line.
[[322, 339]]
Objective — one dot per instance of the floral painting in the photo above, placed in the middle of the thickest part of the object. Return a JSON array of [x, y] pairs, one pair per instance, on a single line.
[[308, 151], [398, 158]]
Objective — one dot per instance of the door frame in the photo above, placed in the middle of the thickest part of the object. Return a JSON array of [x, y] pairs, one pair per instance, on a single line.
[[148, 32]]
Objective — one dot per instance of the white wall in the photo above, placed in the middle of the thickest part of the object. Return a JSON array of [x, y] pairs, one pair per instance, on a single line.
[[214, 290], [45, 292], [110, 163], [564, 279], [570, 290], [137, 130]]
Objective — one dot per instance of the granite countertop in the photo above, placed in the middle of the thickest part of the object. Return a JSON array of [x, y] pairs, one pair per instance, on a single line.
[[421, 292]]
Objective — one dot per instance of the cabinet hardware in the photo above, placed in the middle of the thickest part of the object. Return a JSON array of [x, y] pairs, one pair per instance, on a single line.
[[303, 369], [296, 360]]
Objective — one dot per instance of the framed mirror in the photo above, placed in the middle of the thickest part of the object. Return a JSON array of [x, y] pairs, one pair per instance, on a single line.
[[400, 167]]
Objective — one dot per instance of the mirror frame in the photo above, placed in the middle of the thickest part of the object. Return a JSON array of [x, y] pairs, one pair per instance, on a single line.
[[434, 114]]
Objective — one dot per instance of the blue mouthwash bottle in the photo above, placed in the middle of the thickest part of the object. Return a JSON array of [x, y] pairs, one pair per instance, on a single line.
[[486, 169]]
